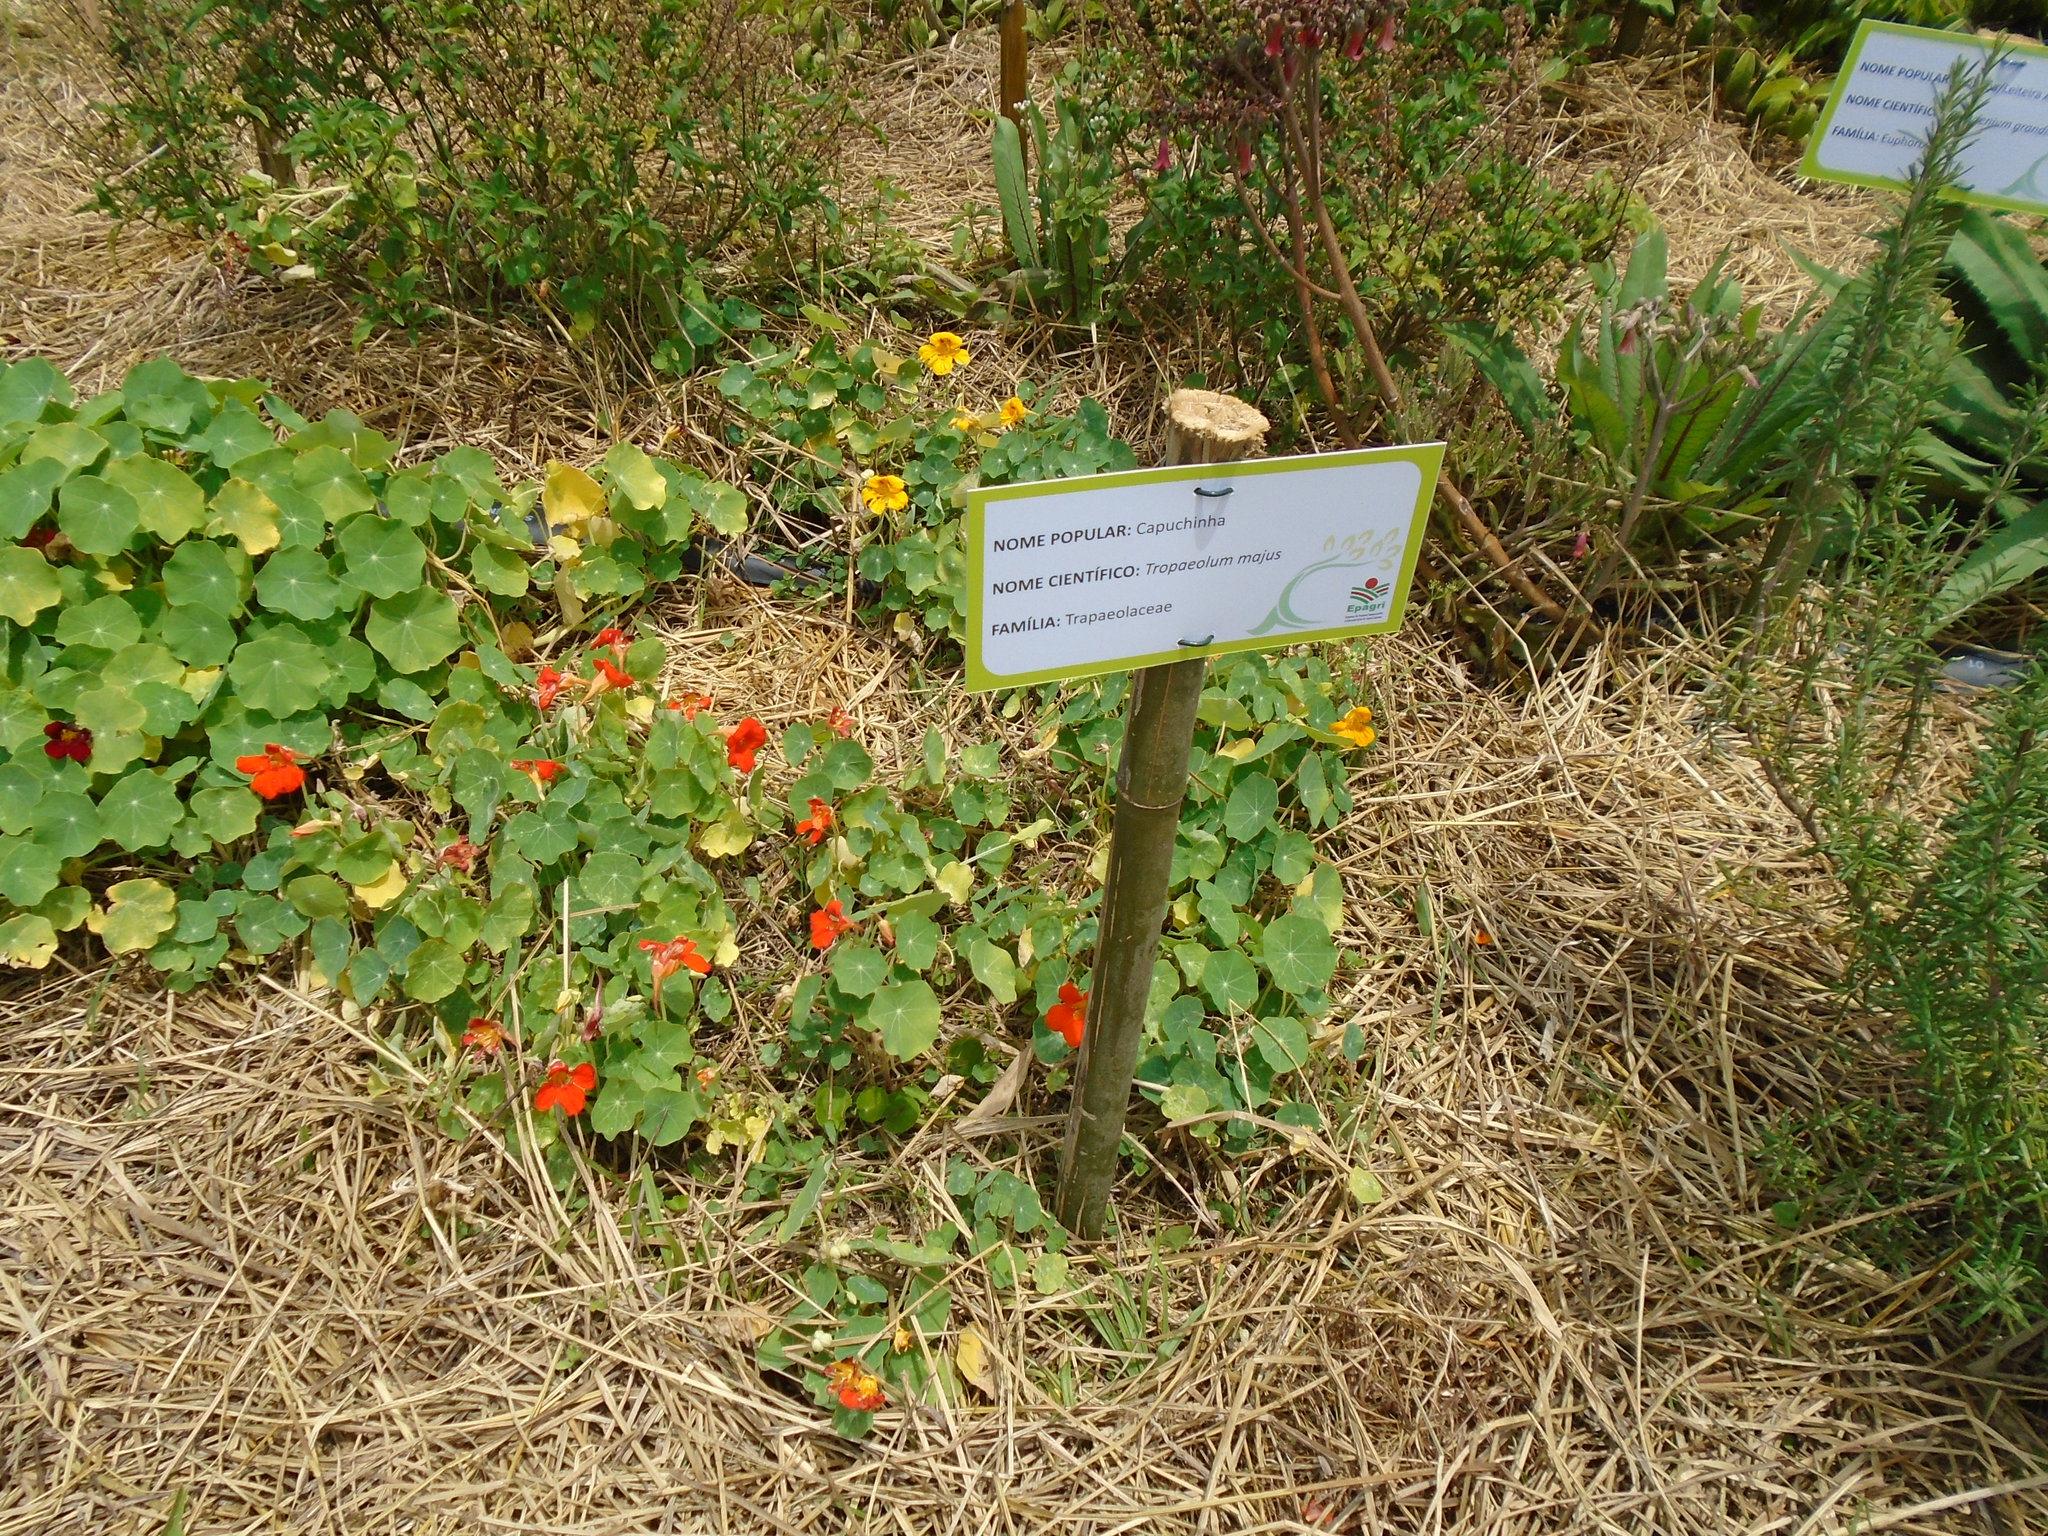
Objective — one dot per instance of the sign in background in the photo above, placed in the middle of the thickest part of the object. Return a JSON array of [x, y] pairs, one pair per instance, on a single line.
[[1874, 128], [1068, 578]]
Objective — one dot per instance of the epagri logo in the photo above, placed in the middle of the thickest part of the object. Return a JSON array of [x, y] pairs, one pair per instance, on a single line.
[[1370, 600]]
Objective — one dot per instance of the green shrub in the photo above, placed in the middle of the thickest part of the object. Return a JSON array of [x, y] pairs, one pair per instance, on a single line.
[[441, 155]]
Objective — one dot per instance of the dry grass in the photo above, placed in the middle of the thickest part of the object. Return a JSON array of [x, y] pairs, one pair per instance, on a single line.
[[236, 1259]]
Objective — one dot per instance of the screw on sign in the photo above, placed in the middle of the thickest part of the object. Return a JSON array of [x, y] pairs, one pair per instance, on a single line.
[[1156, 570]]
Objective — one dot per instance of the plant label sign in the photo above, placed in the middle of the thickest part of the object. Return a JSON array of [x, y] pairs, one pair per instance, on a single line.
[[1874, 128], [1069, 578]]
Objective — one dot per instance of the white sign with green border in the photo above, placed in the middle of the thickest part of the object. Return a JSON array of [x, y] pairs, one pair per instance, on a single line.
[[1875, 126], [1069, 578]]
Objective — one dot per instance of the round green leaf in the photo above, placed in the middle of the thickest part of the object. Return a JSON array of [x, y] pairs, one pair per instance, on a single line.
[[97, 515], [917, 940], [1298, 954], [415, 631], [610, 880], [1230, 981], [139, 912], [199, 637], [280, 673], [226, 814], [202, 574], [907, 1018], [327, 476], [168, 501], [382, 557], [28, 870], [1283, 1042], [142, 663], [19, 792], [237, 433], [297, 582], [434, 971], [140, 811], [858, 969], [264, 922], [498, 570], [67, 442], [67, 824], [1249, 811], [27, 584], [541, 836], [107, 711], [317, 896], [25, 495], [108, 622], [165, 710]]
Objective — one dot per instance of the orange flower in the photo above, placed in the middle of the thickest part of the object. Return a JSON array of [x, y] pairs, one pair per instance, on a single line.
[[566, 1090], [1066, 1017], [677, 954], [542, 770], [275, 773], [608, 677], [1014, 412], [690, 704], [841, 722], [817, 824], [460, 854], [484, 1036], [549, 683], [828, 924], [1482, 937], [855, 1385], [743, 741]]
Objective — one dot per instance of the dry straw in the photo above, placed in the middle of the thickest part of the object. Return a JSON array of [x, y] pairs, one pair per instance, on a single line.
[[239, 1262]]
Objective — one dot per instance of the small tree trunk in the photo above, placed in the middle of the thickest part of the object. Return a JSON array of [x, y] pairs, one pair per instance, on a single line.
[[1151, 780], [1635, 21]]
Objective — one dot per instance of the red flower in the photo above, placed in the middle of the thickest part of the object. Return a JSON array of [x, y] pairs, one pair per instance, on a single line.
[[828, 924], [1275, 39], [841, 722], [608, 677], [1354, 42], [743, 741], [566, 1090], [817, 824], [1163, 161], [43, 538], [1244, 157], [855, 1385], [1066, 1017], [617, 640], [1310, 37], [542, 770], [460, 854], [1387, 34], [549, 683], [275, 773], [72, 741], [690, 704], [1581, 545], [484, 1036], [677, 954]]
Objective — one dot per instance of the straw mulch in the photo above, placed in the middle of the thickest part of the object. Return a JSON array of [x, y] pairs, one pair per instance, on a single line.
[[238, 1260]]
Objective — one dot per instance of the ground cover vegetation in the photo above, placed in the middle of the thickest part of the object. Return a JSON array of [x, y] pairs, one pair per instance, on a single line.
[[276, 687]]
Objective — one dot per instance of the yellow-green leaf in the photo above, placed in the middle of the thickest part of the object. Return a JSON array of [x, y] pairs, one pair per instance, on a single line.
[[27, 941], [137, 914], [244, 513], [570, 496]]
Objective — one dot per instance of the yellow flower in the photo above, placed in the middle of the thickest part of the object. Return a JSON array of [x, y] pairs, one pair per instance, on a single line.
[[885, 493], [1356, 728], [1014, 412], [943, 353], [964, 420]]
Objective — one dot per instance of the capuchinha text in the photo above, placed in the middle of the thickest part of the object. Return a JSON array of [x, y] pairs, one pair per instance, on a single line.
[[1109, 531], [1075, 620]]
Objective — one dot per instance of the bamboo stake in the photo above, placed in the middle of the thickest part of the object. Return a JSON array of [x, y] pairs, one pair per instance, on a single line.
[[1152, 777], [1014, 85]]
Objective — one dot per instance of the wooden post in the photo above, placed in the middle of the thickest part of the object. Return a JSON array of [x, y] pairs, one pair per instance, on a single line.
[[1151, 781], [1013, 86]]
